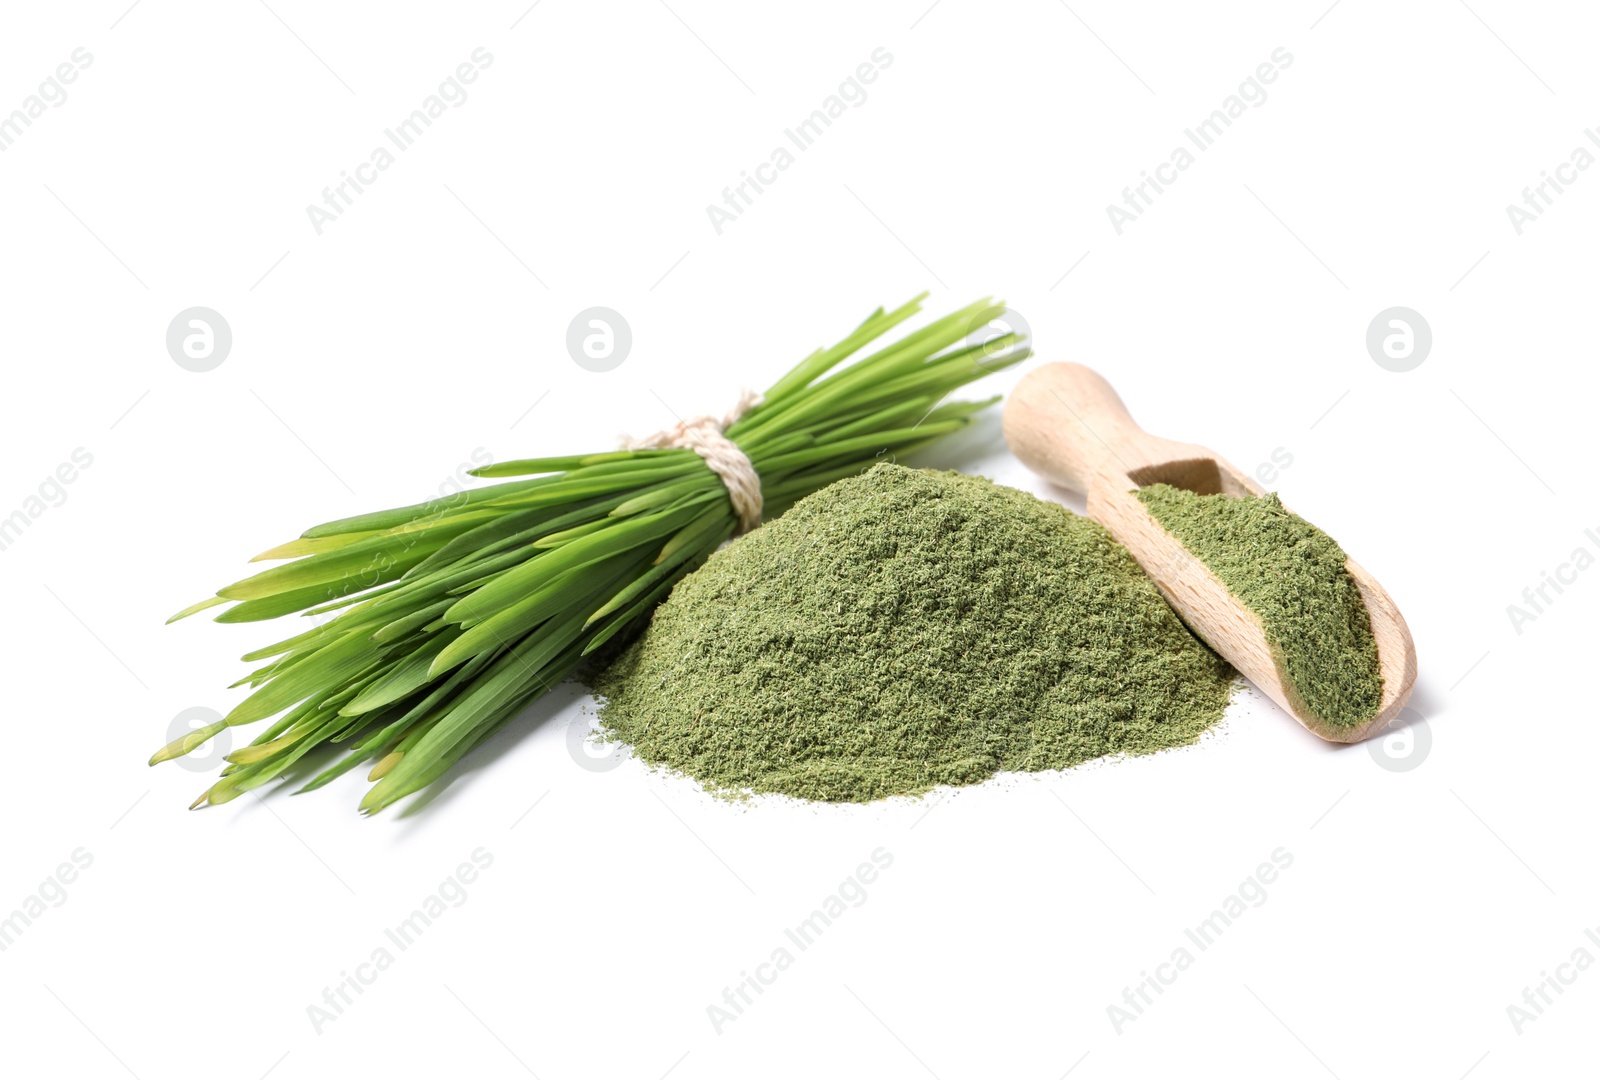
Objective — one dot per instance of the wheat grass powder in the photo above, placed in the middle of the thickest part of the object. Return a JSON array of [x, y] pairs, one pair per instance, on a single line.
[[906, 629], [1293, 576]]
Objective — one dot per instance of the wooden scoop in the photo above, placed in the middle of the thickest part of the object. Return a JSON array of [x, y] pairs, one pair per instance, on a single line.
[[1066, 423]]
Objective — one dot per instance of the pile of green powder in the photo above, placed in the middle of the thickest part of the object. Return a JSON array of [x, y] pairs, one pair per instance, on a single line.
[[1292, 575], [905, 629]]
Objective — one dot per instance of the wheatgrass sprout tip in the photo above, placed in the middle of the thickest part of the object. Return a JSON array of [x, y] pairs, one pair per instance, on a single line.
[[179, 747], [438, 622], [208, 602]]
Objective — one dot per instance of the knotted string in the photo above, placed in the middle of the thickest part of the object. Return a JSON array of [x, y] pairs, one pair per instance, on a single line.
[[704, 435]]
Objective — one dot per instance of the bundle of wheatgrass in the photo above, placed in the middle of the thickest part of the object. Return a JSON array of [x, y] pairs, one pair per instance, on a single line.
[[453, 614]]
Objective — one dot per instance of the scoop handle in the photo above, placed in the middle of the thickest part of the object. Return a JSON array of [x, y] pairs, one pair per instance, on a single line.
[[1064, 421]]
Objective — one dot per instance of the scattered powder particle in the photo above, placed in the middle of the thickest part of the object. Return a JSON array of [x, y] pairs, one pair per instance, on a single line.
[[1291, 574], [905, 629]]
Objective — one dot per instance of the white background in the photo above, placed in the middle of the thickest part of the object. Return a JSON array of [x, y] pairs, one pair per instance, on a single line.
[[428, 322]]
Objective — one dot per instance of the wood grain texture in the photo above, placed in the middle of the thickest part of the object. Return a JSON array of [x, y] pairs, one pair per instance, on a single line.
[[1066, 423]]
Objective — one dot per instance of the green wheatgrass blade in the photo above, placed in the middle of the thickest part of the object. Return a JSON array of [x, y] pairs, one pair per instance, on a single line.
[[564, 593], [640, 606], [308, 716], [840, 385], [584, 487], [257, 752], [400, 627], [910, 354], [635, 463], [316, 633], [486, 713], [361, 558], [567, 536], [868, 332], [300, 546], [253, 776], [403, 515], [354, 601], [694, 540], [664, 495], [870, 419], [287, 603], [286, 722], [327, 668], [447, 582], [529, 466], [823, 361], [391, 728], [406, 677], [500, 686], [505, 532], [208, 602], [333, 772], [182, 745], [316, 639], [443, 619], [513, 584], [850, 448]]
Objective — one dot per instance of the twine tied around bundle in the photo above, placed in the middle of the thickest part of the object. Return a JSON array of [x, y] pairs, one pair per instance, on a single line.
[[704, 435]]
